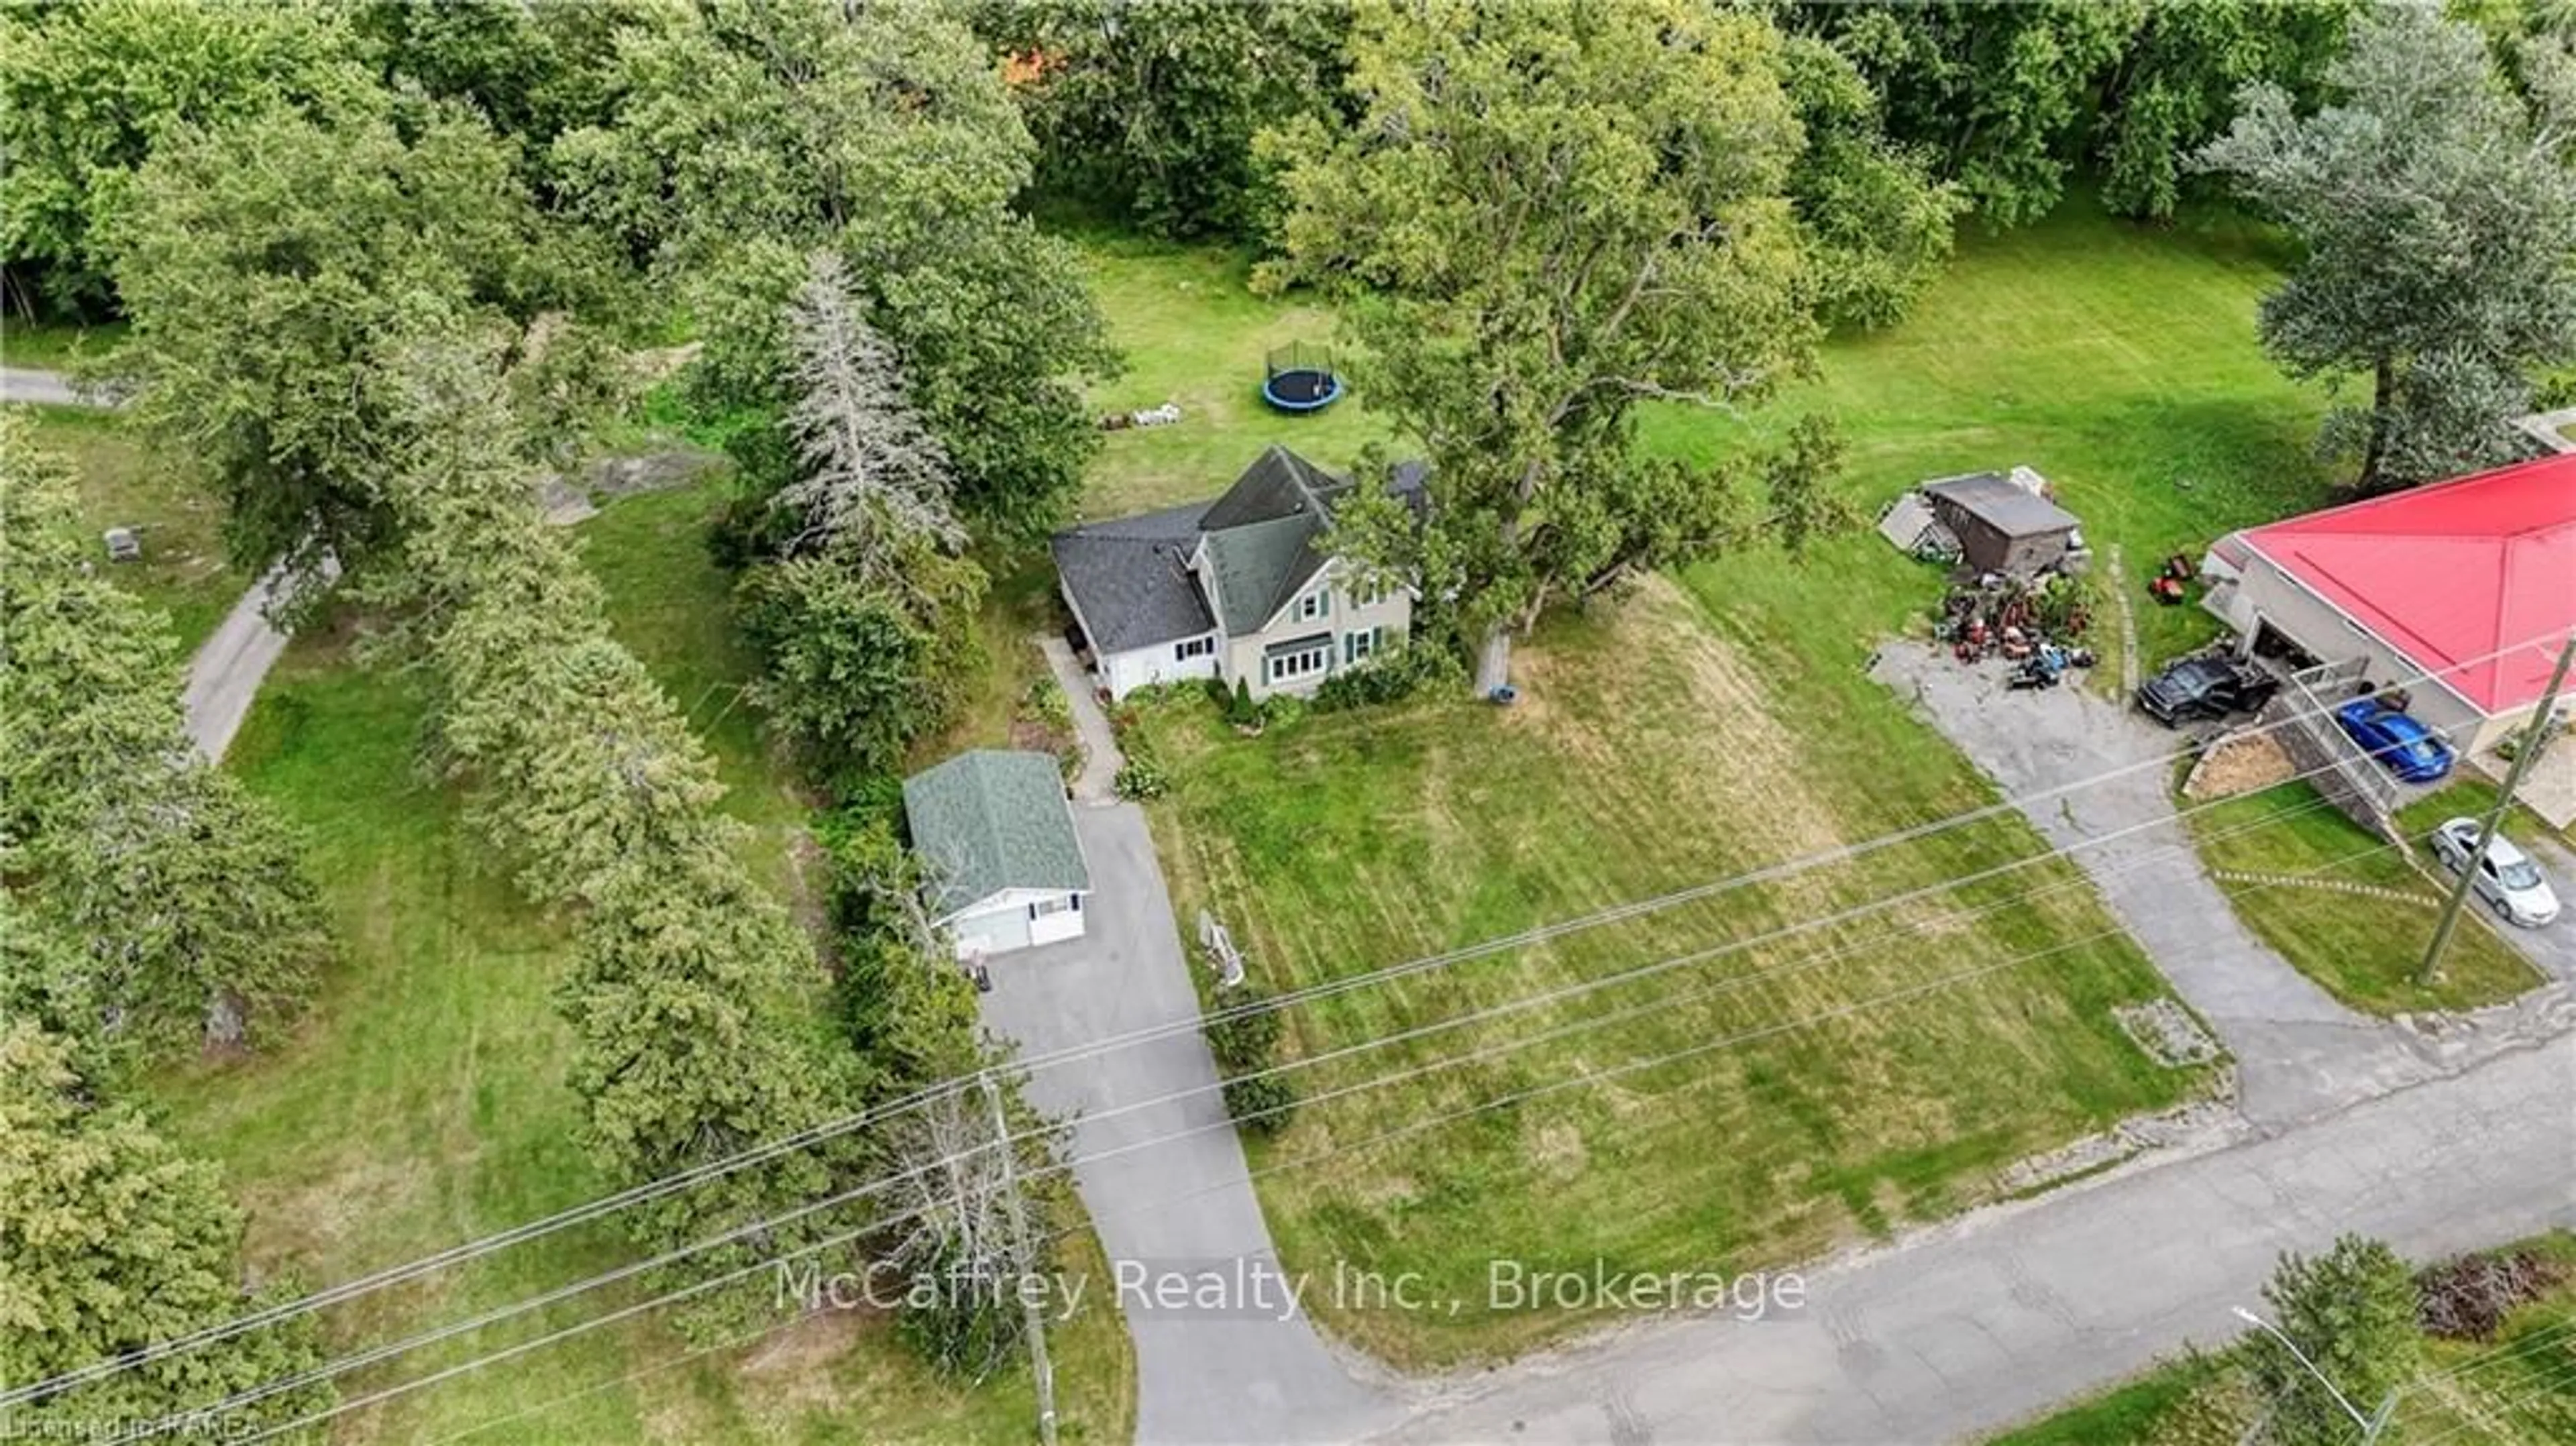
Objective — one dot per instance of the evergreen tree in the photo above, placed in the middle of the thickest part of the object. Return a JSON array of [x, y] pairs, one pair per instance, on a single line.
[[198, 919], [2437, 212], [745, 135], [270, 265], [864, 619], [111, 1241], [691, 987]]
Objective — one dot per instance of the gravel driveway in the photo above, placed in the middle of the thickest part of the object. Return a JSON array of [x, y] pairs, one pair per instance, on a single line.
[[2299, 1052]]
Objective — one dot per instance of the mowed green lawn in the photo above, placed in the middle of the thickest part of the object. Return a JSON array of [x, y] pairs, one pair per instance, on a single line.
[[1193, 334], [2365, 947], [1844, 1083], [424, 1103], [1833, 1081], [183, 570]]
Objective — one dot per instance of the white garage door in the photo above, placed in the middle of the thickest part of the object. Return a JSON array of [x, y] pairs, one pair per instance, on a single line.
[[996, 932], [1056, 918]]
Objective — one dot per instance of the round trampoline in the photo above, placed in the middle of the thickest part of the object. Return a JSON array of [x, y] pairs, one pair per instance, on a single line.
[[1299, 378]]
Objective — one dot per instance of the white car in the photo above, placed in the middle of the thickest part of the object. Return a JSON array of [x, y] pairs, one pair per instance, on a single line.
[[2507, 878]]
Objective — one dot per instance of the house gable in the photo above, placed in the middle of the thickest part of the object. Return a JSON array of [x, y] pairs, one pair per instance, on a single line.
[[1244, 561]]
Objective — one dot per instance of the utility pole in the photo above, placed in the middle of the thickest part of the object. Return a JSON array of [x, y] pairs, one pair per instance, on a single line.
[[2543, 724], [1038, 1363]]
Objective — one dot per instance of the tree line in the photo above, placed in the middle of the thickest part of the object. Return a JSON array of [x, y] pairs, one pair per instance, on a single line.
[[384, 264], [373, 291]]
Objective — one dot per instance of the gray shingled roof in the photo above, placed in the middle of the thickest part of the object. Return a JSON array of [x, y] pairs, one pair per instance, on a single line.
[[2013, 509], [991, 820], [1259, 566], [1130, 578], [1278, 484]]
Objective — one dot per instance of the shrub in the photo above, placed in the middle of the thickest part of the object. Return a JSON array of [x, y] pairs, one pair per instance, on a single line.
[[1217, 693], [1046, 703], [1390, 677], [2467, 1299], [1282, 709], [1240, 709], [1142, 778], [1243, 1042], [1261, 1102]]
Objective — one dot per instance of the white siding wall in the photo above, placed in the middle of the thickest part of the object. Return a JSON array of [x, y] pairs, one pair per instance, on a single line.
[[1393, 613], [1123, 673], [2266, 593], [1002, 923]]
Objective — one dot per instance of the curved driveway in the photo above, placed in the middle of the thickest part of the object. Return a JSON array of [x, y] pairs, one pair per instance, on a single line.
[[1183, 1208]]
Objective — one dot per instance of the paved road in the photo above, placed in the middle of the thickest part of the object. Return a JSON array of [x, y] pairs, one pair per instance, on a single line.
[[2298, 1051], [2551, 950], [52, 389], [1185, 1206], [224, 676], [2005, 1314]]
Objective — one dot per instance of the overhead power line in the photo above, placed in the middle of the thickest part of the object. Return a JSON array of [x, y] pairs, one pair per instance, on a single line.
[[686, 1179], [1406, 1131], [1662, 1003]]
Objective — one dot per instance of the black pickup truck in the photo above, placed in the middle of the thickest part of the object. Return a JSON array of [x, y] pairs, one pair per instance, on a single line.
[[2205, 687]]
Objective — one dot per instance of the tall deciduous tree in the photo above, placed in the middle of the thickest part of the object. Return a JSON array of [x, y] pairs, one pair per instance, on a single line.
[[88, 90], [1153, 104], [2437, 211], [265, 263], [1557, 212], [198, 921], [746, 135], [1878, 225], [112, 1240], [534, 68], [1997, 92], [2175, 86], [2352, 1312]]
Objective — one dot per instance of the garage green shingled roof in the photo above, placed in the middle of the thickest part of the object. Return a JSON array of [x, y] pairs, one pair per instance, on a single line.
[[991, 820]]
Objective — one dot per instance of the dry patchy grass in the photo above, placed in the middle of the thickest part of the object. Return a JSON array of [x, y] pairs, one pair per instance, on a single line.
[[1827, 1082]]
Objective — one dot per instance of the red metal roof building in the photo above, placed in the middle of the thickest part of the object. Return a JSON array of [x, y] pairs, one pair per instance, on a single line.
[[2469, 585]]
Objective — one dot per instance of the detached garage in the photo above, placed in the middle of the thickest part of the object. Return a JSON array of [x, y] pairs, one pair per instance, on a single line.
[[996, 837]]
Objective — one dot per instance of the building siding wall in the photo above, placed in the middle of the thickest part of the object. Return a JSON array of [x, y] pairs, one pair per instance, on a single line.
[[1243, 656], [1123, 673], [2265, 593], [1001, 923]]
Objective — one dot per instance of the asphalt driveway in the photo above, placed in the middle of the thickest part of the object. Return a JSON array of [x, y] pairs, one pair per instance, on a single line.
[[2299, 1052], [1240, 1370]]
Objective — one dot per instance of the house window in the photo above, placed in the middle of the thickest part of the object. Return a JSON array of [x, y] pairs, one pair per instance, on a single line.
[[1367, 595], [1182, 652], [1356, 646], [1060, 904], [1302, 663], [1316, 604]]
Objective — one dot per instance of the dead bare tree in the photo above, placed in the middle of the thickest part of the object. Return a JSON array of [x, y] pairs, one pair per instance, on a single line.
[[960, 1237], [871, 476]]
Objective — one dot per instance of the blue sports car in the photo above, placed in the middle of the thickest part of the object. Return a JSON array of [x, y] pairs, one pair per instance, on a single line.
[[2403, 746]]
